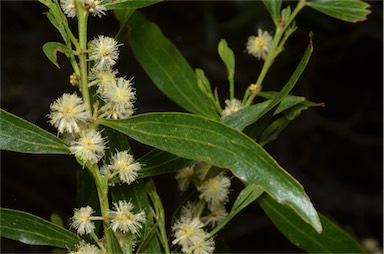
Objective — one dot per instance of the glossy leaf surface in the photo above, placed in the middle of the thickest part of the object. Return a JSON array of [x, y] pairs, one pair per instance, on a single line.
[[346, 10], [332, 240], [167, 67], [30, 229], [198, 138], [19, 135]]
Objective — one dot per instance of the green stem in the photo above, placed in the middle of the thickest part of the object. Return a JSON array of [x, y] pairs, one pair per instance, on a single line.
[[273, 52], [231, 86], [82, 16], [200, 207], [102, 191]]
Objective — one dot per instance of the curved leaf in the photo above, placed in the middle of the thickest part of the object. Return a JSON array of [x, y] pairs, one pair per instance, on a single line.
[[331, 240], [247, 116], [228, 57], [19, 135], [30, 229], [198, 138], [51, 48], [346, 10], [167, 67]]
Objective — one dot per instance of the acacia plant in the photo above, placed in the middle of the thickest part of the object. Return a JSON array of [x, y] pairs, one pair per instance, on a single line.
[[206, 148]]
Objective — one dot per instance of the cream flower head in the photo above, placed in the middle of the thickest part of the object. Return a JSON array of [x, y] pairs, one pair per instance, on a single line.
[[124, 164], [67, 113], [215, 190], [68, 7], [89, 147], [104, 51], [123, 219], [184, 177], [81, 220], [95, 7], [119, 99], [192, 238], [231, 107], [259, 46]]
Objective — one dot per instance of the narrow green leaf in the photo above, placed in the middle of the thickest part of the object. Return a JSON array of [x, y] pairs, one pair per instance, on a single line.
[[19, 135], [167, 67], [51, 48], [130, 4], [332, 240], [250, 193], [346, 10], [158, 162], [198, 138], [292, 80], [273, 6], [57, 17], [247, 116], [273, 130], [30, 229], [203, 82], [159, 214], [58, 25]]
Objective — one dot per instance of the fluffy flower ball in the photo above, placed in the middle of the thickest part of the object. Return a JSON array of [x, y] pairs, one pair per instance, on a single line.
[[259, 46], [67, 112], [89, 147]]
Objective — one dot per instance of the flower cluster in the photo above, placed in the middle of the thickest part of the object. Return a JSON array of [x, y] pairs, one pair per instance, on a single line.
[[190, 235], [76, 120], [117, 93], [122, 219], [69, 114], [213, 190]]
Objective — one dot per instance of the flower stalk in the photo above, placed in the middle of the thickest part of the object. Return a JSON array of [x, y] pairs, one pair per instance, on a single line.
[[272, 54], [82, 16]]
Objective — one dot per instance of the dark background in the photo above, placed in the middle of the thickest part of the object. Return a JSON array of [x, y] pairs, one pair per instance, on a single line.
[[334, 151]]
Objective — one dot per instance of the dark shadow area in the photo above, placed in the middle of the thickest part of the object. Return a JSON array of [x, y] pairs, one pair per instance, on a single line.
[[334, 151]]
